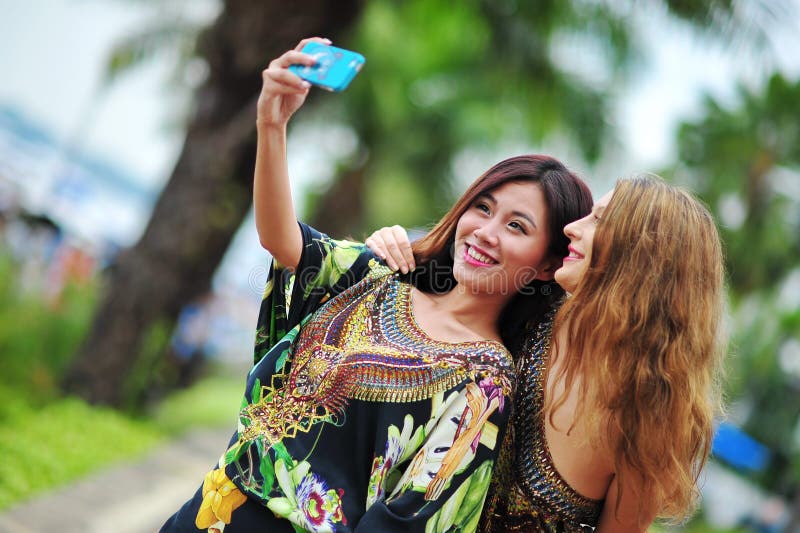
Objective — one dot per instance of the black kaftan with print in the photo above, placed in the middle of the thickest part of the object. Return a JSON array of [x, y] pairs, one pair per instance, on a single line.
[[353, 419]]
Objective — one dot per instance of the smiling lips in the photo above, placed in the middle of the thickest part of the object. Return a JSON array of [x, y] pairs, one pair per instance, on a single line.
[[477, 257], [574, 255]]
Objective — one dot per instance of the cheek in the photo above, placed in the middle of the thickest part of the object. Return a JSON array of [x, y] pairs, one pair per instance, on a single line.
[[588, 243], [535, 253], [529, 261], [461, 226], [466, 225]]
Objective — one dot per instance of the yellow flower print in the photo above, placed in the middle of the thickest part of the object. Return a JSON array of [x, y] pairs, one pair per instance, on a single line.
[[220, 498]]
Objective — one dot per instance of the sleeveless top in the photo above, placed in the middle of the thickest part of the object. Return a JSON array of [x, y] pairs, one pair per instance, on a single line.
[[527, 493]]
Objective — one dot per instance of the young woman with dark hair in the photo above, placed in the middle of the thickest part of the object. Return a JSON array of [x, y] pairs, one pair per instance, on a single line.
[[377, 402]]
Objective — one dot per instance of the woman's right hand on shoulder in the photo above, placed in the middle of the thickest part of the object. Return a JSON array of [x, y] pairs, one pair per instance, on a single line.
[[393, 246], [283, 92]]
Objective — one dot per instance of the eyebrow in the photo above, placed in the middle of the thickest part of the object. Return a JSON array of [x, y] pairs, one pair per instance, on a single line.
[[519, 214]]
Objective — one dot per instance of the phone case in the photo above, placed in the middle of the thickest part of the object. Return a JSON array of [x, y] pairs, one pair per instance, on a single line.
[[335, 67]]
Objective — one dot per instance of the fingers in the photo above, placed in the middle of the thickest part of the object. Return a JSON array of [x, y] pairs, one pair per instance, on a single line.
[[404, 246], [304, 42], [392, 245], [284, 81], [293, 57], [378, 246], [279, 74]]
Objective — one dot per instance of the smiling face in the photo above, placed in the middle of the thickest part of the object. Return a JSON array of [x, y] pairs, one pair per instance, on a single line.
[[581, 238], [502, 239]]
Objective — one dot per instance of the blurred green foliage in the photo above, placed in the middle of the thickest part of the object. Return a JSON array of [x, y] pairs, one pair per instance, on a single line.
[[212, 401], [47, 440], [743, 159], [37, 340], [443, 79], [733, 157]]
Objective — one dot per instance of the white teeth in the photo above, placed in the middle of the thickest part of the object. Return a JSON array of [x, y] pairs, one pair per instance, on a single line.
[[479, 256]]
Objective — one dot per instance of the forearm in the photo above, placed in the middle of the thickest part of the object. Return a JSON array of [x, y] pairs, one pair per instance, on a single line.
[[276, 221]]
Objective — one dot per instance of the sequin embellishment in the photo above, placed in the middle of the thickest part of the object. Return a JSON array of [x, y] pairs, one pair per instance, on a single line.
[[365, 345], [528, 493]]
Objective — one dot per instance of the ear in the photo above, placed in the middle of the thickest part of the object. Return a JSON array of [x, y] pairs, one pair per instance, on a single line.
[[547, 268]]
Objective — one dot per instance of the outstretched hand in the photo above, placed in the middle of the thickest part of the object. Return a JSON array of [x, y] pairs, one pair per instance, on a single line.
[[283, 92], [392, 245]]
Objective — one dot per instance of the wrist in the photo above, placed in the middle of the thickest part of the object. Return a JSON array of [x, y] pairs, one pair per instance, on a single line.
[[265, 127]]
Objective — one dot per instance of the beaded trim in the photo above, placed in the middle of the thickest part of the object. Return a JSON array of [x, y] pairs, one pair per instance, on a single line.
[[384, 355], [365, 345], [534, 468]]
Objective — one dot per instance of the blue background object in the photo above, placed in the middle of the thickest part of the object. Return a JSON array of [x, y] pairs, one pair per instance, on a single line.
[[739, 449]]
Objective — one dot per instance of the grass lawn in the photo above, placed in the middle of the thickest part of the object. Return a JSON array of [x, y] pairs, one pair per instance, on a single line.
[[44, 447]]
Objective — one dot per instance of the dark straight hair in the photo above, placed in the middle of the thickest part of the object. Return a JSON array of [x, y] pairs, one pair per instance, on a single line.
[[567, 198]]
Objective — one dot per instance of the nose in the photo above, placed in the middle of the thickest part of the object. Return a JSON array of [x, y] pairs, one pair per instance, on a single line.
[[572, 230], [487, 234]]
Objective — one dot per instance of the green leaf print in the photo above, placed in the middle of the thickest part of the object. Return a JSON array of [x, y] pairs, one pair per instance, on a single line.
[[345, 254], [267, 473], [262, 334], [287, 291], [469, 511], [288, 339], [446, 516], [282, 453], [255, 392], [462, 510], [338, 260], [233, 453], [282, 358]]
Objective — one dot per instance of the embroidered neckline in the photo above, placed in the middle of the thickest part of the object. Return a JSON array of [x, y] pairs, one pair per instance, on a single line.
[[406, 312]]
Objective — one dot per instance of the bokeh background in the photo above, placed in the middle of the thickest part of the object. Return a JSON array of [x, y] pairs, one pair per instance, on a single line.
[[130, 271]]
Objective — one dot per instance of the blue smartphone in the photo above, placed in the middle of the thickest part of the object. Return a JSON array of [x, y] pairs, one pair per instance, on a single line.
[[335, 67]]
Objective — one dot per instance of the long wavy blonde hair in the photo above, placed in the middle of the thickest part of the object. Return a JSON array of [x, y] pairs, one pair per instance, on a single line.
[[644, 341]]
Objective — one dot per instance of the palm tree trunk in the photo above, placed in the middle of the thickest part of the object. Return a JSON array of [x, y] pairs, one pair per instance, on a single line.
[[207, 196]]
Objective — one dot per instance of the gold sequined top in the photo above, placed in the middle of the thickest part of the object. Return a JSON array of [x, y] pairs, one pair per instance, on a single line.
[[527, 493]]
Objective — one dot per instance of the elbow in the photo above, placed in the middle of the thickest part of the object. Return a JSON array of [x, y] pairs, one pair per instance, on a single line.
[[265, 243], [282, 254], [269, 239], [284, 243]]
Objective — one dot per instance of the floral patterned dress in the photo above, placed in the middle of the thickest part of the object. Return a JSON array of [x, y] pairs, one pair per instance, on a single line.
[[353, 419]]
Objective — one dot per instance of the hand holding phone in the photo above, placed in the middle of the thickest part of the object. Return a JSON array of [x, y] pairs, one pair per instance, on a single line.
[[335, 67]]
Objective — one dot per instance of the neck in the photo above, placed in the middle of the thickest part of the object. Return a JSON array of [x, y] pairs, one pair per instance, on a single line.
[[478, 312]]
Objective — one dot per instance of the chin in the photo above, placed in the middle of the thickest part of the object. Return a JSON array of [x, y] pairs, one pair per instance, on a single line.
[[564, 279]]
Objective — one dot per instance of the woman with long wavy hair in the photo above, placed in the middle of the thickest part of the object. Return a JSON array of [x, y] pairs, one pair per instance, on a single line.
[[617, 391]]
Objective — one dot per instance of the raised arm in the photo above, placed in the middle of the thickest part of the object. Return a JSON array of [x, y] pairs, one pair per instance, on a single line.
[[282, 94]]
